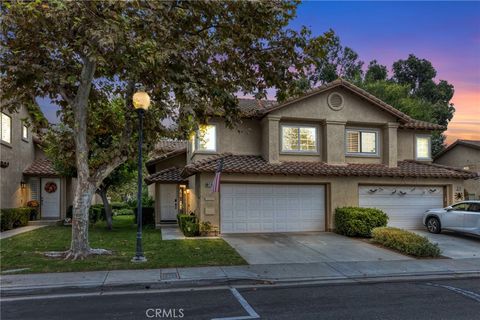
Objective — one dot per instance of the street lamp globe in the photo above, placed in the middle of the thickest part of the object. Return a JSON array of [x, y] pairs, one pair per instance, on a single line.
[[141, 100]]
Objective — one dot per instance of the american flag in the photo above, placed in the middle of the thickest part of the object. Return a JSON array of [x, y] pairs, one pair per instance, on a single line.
[[216, 180]]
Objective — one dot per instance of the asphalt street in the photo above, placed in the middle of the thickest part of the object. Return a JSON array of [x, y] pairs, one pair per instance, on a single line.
[[442, 299]]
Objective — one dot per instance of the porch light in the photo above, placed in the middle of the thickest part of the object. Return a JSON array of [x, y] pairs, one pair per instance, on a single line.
[[22, 184], [141, 100]]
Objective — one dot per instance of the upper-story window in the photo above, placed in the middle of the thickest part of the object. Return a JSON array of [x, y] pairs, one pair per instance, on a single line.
[[423, 147], [6, 128], [24, 131], [299, 138], [362, 142], [206, 138]]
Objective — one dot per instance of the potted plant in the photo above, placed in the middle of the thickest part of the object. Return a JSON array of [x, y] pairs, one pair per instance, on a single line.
[[34, 204]]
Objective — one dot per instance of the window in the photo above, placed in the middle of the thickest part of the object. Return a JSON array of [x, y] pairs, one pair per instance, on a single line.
[[460, 206], [299, 139], [474, 207], [206, 138], [24, 131], [6, 128], [423, 147], [362, 142]]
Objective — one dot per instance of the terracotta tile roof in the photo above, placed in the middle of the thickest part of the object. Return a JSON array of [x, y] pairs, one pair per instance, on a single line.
[[41, 167], [345, 84], [475, 144], [167, 175], [417, 124], [260, 108], [247, 164], [167, 145], [150, 164]]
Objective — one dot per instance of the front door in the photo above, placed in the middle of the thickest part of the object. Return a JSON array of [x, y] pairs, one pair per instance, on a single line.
[[50, 198], [168, 201]]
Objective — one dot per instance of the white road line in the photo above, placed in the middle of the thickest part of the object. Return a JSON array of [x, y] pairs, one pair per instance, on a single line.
[[466, 293], [251, 312]]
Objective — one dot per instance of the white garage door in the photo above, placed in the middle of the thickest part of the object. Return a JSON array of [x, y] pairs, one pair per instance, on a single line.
[[259, 208], [404, 205]]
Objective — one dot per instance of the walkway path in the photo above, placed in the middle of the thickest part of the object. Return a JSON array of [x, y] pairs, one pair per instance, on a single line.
[[14, 232]]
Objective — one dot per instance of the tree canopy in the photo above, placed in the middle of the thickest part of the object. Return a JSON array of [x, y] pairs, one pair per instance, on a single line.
[[191, 57]]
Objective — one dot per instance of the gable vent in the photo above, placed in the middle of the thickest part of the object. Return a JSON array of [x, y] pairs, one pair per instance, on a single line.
[[335, 101]]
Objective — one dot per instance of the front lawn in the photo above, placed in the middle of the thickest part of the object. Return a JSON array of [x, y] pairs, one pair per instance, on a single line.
[[26, 250]]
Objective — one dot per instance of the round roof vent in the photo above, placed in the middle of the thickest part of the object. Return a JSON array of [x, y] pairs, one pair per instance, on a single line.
[[335, 101]]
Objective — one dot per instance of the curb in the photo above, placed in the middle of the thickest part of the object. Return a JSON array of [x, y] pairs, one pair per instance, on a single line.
[[228, 282]]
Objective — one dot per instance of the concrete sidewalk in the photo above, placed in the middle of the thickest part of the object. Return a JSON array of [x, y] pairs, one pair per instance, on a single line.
[[14, 232], [274, 273]]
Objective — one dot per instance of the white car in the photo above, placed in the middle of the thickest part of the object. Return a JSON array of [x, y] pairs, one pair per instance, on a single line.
[[463, 217]]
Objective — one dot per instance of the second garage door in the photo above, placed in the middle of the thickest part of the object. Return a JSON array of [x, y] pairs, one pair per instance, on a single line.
[[404, 205], [257, 208]]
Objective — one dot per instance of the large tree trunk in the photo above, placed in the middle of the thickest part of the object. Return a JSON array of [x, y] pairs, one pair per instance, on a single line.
[[102, 191], [80, 246]]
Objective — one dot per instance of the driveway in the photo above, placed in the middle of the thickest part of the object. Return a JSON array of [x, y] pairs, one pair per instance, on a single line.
[[306, 247], [454, 245]]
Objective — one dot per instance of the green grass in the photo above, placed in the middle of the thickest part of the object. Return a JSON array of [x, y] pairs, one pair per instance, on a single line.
[[27, 250]]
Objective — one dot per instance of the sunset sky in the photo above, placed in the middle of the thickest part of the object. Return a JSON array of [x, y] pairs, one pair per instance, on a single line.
[[446, 33]]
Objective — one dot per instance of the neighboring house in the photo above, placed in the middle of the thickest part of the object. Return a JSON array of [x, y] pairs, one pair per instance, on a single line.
[[288, 165], [464, 154], [26, 174]]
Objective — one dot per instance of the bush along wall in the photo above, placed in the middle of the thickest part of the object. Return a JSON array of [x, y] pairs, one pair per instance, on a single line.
[[405, 241], [189, 225], [14, 217], [358, 222]]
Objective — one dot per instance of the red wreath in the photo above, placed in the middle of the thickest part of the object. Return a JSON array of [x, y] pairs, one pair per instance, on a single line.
[[50, 187]]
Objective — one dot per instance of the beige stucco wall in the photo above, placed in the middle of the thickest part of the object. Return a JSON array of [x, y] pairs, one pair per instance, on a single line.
[[19, 154], [178, 161], [340, 191], [245, 139], [262, 136], [464, 157]]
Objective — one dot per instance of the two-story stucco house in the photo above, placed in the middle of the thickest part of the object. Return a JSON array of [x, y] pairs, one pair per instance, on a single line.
[[288, 165], [26, 174], [463, 154]]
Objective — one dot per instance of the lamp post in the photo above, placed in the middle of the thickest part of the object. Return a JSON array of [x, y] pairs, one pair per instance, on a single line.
[[141, 102]]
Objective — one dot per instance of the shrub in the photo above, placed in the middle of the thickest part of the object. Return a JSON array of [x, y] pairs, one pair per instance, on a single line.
[[96, 213], [123, 212], [188, 224], [148, 216], [358, 222], [14, 217], [405, 241], [120, 206]]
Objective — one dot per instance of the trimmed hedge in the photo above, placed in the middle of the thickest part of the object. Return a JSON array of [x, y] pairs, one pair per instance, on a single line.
[[358, 222], [123, 212], [14, 217], [96, 213], [119, 206], [405, 241], [148, 216], [188, 224]]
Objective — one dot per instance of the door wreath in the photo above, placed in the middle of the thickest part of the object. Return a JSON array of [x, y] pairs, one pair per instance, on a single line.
[[50, 187]]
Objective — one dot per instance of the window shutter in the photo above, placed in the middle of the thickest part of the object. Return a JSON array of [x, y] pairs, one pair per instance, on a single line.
[[353, 139], [34, 188]]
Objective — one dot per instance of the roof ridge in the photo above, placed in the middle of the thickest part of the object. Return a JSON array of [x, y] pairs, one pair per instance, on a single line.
[[441, 166]]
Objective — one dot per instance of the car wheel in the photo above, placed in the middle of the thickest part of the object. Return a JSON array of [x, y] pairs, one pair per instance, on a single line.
[[433, 225]]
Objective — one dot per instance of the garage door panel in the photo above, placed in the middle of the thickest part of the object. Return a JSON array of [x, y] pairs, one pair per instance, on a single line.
[[404, 205], [272, 208]]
